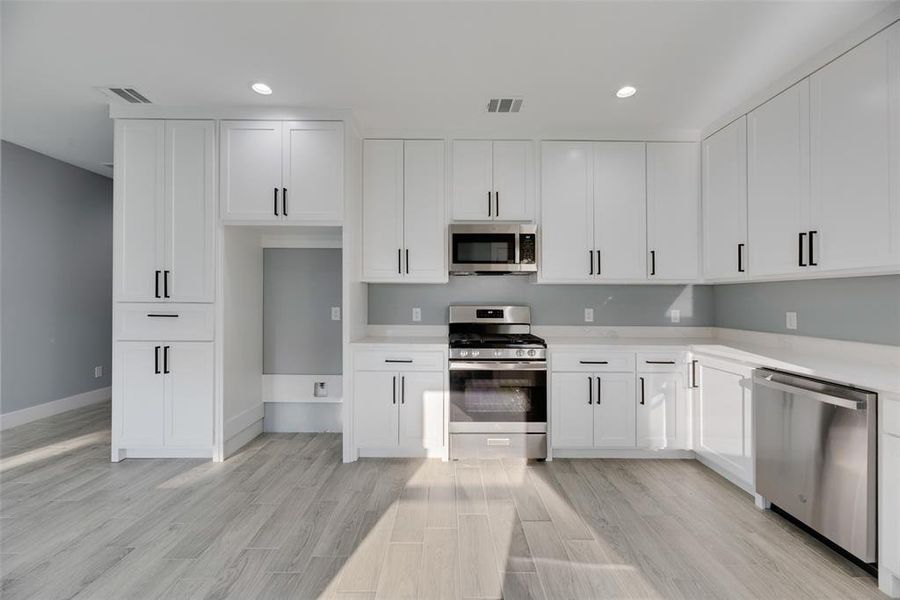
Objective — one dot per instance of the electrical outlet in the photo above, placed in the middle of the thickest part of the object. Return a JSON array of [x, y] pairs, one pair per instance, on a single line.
[[675, 315], [790, 320], [98, 372], [417, 314], [335, 313], [589, 315]]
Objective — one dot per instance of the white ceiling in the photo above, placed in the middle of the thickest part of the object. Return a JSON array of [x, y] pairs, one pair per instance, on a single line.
[[423, 68]]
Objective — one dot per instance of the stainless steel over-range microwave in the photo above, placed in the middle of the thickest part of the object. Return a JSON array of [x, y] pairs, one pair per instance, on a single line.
[[493, 249]]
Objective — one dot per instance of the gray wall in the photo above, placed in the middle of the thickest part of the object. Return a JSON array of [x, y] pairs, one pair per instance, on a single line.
[[860, 309], [56, 253], [300, 285], [391, 304]]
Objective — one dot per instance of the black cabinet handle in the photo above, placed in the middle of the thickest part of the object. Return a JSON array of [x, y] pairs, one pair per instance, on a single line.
[[489, 204], [694, 374], [598, 263], [598, 391], [166, 284], [593, 362], [812, 253], [740, 258], [496, 203], [156, 293], [800, 249], [398, 360], [399, 261], [660, 362], [275, 202], [590, 390], [591, 258], [407, 261], [284, 201], [156, 360], [394, 393], [162, 315], [642, 389], [403, 389], [166, 359], [653, 262]]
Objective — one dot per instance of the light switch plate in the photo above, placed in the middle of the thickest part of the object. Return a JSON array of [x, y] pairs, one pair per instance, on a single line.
[[675, 315], [335, 313], [589, 315], [98, 372], [417, 314], [790, 320]]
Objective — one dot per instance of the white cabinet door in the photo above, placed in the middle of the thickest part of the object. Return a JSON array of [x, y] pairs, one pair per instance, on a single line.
[[513, 180], [190, 208], [673, 198], [472, 185], [725, 203], [567, 211], [139, 209], [614, 410], [189, 394], [139, 394], [375, 408], [620, 210], [382, 210], [658, 398], [424, 231], [421, 410], [573, 406], [853, 212], [250, 170], [312, 171], [889, 526], [723, 418], [778, 181]]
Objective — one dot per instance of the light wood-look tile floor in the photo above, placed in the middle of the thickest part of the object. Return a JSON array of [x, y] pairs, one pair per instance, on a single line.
[[285, 519]]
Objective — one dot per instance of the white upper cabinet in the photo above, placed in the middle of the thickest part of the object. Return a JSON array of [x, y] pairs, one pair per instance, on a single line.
[[492, 180], [282, 171], [778, 181], [620, 210], [404, 219], [165, 211], [725, 203], [855, 177], [567, 212], [673, 198]]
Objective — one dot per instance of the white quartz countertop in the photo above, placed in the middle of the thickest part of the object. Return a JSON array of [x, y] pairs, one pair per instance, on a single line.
[[401, 340]]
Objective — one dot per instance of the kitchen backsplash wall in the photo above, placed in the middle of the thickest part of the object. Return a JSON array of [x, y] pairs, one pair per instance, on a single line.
[[859, 309], [392, 304]]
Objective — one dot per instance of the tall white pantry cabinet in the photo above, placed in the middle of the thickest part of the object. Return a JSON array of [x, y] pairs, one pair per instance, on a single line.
[[164, 260]]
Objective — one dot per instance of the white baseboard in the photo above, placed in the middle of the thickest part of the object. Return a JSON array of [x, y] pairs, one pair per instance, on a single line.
[[620, 453], [299, 388], [54, 407], [163, 452], [242, 438], [713, 465], [241, 421]]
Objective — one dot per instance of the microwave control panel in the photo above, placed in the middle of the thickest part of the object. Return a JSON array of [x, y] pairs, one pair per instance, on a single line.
[[527, 248]]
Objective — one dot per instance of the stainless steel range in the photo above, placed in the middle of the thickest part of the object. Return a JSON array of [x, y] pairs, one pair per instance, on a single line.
[[498, 384]]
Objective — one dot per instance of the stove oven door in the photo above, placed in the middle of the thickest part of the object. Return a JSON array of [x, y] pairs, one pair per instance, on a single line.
[[501, 397]]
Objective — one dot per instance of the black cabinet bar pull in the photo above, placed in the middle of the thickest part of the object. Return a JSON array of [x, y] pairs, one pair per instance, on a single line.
[[642, 389], [660, 362], [489, 205], [653, 262], [166, 359], [591, 258], [590, 390], [162, 315], [157, 284], [403, 389], [398, 360], [812, 253], [593, 362], [800, 249], [275, 202], [407, 261], [284, 201], [166, 284], [156, 360], [694, 374], [598, 391], [496, 203], [394, 393], [598, 262], [740, 258], [399, 260]]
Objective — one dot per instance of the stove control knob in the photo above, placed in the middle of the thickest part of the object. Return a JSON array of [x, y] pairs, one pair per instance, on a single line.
[[531, 353], [475, 353], [498, 352], [464, 353], [522, 352]]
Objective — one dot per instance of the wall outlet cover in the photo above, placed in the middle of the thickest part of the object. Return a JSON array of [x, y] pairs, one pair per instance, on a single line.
[[589, 315], [335, 313], [98, 372], [417, 314], [790, 320], [675, 315]]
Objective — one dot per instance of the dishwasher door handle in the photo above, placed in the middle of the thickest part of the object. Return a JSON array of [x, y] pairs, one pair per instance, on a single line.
[[852, 399]]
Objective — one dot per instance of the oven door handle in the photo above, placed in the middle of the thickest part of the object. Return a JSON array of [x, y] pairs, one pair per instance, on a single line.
[[489, 365]]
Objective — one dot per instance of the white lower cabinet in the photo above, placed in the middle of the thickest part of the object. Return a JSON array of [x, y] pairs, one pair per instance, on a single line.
[[889, 497], [614, 411], [163, 393], [659, 396], [573, 409], [723, 419], [375, 409]]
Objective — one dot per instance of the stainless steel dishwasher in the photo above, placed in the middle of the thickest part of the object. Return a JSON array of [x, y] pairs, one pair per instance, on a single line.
[[816, 456]]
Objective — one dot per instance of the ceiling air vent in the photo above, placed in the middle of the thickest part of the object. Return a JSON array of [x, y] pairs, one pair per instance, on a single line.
[[504, 105], [128, 94]]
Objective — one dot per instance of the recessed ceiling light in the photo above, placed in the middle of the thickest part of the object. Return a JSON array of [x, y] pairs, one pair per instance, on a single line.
[[261, 88], [626, 92]]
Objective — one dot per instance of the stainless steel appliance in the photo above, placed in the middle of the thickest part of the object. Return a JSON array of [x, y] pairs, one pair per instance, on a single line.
[[816, 456], [493, 249], [498, 384]]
